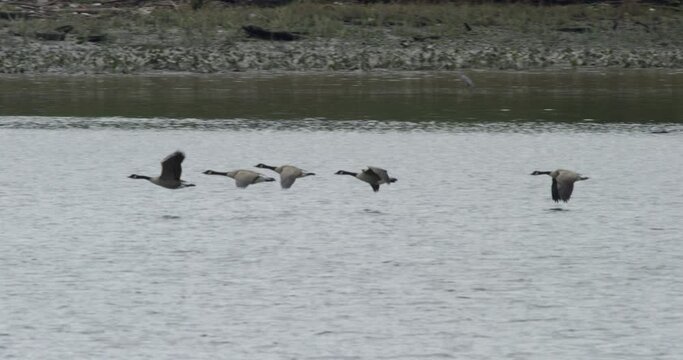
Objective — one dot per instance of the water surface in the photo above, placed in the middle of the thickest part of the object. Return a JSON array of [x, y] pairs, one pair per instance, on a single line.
[[636, 96], [464, 257]]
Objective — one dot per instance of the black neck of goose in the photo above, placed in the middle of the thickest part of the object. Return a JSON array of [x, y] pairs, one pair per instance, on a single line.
[[211, 172], [136, 176], [344, 172], [540, 172], [264, 166]]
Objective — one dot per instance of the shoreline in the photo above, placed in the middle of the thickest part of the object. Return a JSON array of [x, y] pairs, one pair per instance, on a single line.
[[139, 45], [320, 57]]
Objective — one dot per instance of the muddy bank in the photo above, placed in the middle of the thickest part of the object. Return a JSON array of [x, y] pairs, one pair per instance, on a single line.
[[319, 56], [209, 43]]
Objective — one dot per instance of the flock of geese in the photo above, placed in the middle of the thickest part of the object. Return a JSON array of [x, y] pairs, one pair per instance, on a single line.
[[171, 169]]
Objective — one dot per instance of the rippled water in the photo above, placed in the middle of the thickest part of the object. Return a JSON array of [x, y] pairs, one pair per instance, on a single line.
[[573, 96], [464, 257]]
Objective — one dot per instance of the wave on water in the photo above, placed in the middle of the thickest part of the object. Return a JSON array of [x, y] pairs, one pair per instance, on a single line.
[[322, 124]]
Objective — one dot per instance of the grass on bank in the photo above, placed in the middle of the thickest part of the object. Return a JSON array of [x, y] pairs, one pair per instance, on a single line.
[[339, 20]]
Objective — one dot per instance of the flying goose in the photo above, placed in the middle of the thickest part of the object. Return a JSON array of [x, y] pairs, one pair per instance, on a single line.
[[372, 175], [563, 183], [243, 178], [288, 173], [170, 173]]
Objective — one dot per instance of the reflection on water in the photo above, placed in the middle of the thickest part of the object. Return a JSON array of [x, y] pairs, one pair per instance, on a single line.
[[613, 96]]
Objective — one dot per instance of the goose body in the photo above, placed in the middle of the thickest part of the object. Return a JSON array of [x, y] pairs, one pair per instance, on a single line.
[[372, 175], [288, 173], [243, 178], [170, 173], [563, 183]]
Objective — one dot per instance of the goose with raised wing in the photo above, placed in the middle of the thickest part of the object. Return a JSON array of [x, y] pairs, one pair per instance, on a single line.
[[243, 178], [288, 173], [170, 173], [563, 183], [372, 175]]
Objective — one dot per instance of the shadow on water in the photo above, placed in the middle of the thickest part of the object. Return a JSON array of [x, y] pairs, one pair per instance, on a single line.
[[663, 130], [557, 209], [170, 217]]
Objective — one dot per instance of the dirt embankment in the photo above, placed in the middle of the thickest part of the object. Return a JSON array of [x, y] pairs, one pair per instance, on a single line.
[[340, 36]]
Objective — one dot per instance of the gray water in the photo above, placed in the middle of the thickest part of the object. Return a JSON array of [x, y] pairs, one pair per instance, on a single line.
[[465, 256]]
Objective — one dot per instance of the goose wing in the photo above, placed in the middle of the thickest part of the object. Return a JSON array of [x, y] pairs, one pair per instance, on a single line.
[[565, 190], [288, 175], [369, 176], [381, 174], [554, 192], [562, 190], [170, 166], [244, 178]]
